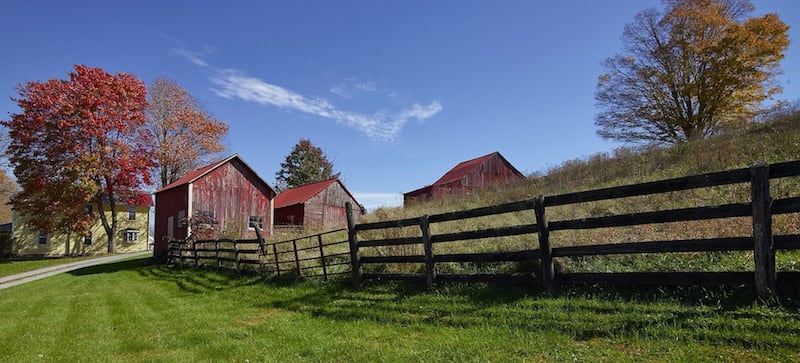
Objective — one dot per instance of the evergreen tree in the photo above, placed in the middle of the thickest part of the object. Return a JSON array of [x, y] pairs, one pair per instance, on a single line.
[[305, 164]]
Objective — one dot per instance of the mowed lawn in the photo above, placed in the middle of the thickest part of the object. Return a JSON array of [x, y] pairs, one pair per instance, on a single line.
[[131, 311]]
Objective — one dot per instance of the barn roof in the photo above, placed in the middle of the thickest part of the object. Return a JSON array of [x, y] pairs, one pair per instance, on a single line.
[[303, 193], [199, 173], [463, 168]]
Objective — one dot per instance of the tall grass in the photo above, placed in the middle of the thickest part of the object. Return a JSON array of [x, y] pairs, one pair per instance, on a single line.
[[776, 140]]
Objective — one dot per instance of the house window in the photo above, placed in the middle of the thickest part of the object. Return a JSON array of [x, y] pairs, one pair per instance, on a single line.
[[42, 238], [131, 213], [255, 221], [87, 239], [131, 236], [87, 209]]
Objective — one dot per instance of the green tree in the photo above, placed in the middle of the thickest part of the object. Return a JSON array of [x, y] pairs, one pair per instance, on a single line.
[[686, 74], [305, 164]]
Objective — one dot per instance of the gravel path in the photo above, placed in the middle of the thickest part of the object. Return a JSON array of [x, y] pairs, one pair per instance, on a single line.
[[21, 278]]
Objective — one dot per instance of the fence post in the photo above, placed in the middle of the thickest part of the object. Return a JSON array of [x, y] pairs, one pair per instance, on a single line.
[[548, 272], [194, 250], [262, 252], [322, 258], [424, 225], [180, 254], [296, 257], [763, 254], [216, 250], [352, 238], [236, 256], [277, 263]]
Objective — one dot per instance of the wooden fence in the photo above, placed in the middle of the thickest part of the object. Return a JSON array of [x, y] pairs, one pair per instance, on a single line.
[[761, 208], [308, 256], [313, 257]]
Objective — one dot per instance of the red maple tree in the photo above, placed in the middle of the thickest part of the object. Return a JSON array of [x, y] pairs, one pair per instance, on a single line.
[[77, 142]]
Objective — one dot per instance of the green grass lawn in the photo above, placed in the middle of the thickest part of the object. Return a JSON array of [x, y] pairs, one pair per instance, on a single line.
[[12, 266], [132, 311]]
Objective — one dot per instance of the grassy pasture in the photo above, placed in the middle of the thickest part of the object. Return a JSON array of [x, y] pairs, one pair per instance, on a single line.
[[134, 312]]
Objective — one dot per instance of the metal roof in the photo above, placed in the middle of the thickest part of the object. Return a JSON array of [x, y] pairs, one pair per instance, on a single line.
[[199, 173], [303, 193]]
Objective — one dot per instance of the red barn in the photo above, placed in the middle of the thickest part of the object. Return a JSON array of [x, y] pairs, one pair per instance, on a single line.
[[227, 190], [488, 170], [318, 204]]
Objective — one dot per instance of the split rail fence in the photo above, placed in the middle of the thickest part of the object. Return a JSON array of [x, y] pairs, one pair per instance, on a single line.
[[312, 260], [319, 255], [761, 208]]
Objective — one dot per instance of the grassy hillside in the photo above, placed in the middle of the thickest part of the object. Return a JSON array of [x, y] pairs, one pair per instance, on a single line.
[[775, 140]]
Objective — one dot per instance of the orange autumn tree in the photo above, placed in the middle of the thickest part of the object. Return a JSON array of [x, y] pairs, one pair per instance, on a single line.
[[78, 142], [186, 136], [700, 67]]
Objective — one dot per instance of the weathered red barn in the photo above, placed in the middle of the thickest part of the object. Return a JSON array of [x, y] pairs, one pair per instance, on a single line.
[[227, 190], [488, 170], [319, 204]]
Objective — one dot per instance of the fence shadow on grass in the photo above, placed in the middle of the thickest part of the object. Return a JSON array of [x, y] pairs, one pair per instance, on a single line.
[[199, 281], [708, 315]]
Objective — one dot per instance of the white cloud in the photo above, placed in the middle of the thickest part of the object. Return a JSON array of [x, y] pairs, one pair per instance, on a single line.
[[372, 201], [340, 91], [382, 126], [366, 86]]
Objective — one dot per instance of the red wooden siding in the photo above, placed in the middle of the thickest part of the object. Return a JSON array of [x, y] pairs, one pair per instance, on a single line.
[[229, 189], [318, 204], [233, 193], [168, 204], [485, 171]]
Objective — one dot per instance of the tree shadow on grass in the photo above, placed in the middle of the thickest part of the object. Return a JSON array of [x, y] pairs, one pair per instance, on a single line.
[[111, 267], [200, 280]]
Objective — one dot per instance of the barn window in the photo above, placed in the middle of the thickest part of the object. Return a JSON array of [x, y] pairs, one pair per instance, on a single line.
[[42, 238], [182, 218], [131, 213], [255, 221]]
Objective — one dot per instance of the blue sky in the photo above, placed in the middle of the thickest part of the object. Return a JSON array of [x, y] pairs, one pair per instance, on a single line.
[[395, 92]]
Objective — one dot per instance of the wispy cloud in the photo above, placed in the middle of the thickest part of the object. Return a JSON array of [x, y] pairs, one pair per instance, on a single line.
[[380, 126]]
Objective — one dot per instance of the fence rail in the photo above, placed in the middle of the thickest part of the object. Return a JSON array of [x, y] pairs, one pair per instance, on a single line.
[[762, 242], [313, 259], [311, 256]]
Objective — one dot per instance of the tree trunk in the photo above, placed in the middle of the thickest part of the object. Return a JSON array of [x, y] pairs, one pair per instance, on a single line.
[[110, 228]]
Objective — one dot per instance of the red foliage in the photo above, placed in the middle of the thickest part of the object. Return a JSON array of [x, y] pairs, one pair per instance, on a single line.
[[78, 141]]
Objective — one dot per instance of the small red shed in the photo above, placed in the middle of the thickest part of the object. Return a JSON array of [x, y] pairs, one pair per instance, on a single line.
[[319, 204], [227, 190], [488, 170]]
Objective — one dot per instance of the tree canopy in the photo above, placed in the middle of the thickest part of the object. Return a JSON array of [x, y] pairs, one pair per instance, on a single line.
[[696, 69], [305, 164], [76, 142], [186, 136]]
